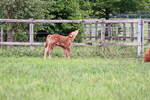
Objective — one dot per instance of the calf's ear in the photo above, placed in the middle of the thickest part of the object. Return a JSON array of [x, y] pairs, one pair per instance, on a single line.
[[71, 36]]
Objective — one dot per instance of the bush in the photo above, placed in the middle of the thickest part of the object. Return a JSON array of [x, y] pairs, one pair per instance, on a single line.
[[21, 36], [76, 51]]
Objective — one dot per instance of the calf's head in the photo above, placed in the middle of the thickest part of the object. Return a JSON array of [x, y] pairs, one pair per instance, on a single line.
[[73, 34]]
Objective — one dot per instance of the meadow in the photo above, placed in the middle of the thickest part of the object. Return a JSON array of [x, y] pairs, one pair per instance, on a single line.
[[25, 75]]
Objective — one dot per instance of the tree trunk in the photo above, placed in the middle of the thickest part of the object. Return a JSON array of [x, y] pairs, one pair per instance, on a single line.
[[10, 30], [107, 16], [107, 13], [10, 36], [10, 33]]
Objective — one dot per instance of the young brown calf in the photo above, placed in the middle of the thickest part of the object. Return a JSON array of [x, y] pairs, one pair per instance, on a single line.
[[147, 55], [61, 41]]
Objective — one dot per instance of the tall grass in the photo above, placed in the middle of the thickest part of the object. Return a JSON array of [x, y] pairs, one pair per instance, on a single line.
[[82, 78], [77, 51]]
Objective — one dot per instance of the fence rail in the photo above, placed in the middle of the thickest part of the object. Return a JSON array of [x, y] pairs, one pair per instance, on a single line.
[[74, 44], [70, 21], [135, 37]]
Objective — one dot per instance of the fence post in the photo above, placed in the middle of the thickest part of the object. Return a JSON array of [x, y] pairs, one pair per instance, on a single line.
[[96, 30], [1, 35], [132, 31], [90, 30], [102, 31], [31, 33], [140, 38], [124, 31], [117, 32], [84, 30], [148, 32]]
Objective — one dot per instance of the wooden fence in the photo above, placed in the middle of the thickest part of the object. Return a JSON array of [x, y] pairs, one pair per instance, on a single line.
[[137, 38]]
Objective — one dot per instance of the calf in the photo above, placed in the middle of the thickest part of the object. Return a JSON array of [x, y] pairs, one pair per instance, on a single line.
[[147, 55], [61, 41]]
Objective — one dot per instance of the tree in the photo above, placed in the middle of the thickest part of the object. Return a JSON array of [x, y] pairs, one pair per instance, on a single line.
[[129, 6], [20, 9], [64, 9], [105, 8], [86, 8]]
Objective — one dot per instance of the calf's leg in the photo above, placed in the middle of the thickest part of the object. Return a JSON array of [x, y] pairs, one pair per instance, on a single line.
[[50, 52], [65, 52], [45, 52], [68, 52]]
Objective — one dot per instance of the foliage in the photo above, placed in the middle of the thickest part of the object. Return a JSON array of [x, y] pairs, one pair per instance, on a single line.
[[21, 36], [103, 8], [64, 9], [126, 6], [108, 8], [18, 9], [77, 51]]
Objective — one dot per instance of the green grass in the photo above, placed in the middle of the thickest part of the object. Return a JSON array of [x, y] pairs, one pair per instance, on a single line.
[[76, 51], [80, 78]]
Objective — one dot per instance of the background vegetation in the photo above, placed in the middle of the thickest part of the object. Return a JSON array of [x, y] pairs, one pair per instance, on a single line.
[[62, 9], [76, 51]]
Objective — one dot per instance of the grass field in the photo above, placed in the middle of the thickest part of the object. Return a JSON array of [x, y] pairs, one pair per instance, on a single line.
[[80, 78]]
